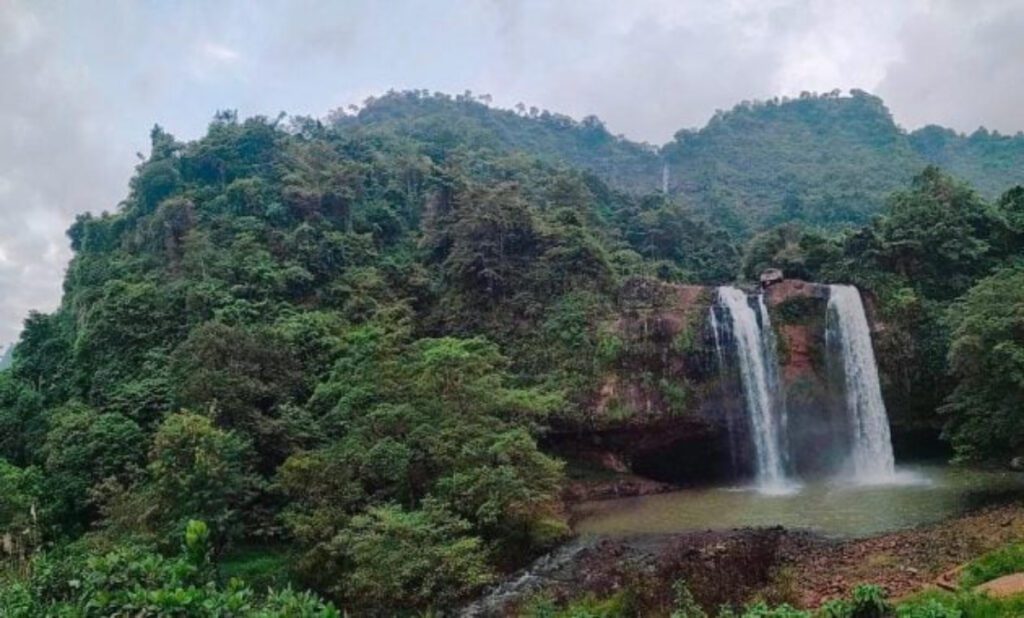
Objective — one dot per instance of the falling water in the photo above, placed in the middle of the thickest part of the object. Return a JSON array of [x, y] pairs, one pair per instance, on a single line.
[[730, 421], [847, 332], [755, 351], [664, 178], [716, 330]]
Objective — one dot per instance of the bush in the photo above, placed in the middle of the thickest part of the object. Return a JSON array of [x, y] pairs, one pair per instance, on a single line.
[[869, 602], [761, 610], [133, 580]]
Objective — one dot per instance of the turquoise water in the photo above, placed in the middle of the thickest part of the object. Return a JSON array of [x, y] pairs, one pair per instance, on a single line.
[[921, 494]]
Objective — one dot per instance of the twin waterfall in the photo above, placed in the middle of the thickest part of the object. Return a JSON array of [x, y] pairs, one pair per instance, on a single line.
[[743, 321]]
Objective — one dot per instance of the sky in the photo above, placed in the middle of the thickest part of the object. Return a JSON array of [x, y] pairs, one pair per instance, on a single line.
[[82, 82]]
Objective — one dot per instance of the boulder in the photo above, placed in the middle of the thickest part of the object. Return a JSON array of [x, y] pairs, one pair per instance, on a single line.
[[1002, 587], [771, 277]]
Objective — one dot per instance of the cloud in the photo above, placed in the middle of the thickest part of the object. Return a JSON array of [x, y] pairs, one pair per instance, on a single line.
[[217, 53], [82, 83], [961, 65], [54, 160]]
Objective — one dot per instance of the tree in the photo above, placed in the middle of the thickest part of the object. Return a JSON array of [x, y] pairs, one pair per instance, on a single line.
[[242, 377], [197, 471], [83, 448], [938, 235], [21, 494], [987, 357], [410, 559]]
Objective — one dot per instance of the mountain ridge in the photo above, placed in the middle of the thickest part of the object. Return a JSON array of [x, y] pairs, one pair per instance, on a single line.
[[829, 160]]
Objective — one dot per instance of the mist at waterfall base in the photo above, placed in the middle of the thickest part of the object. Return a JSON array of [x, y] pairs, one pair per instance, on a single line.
[[859, 446]]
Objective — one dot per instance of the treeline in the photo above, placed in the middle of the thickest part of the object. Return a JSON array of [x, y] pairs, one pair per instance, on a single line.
[[826, 160]]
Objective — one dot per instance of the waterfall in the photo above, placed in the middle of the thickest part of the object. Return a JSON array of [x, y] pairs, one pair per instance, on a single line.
[[756, 356], [664, 178], [730, 422], [848, 334]]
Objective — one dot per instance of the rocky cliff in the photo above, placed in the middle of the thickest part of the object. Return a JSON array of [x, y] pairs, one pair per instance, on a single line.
[[669, 408]]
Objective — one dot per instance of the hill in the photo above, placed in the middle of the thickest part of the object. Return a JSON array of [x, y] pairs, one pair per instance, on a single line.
[[827, 160], [469, 122], [338, 354], [293, 331]]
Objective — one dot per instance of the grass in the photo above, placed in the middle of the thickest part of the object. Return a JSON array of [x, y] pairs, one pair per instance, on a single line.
[[965, 603], [929, 604], [1003, 561]]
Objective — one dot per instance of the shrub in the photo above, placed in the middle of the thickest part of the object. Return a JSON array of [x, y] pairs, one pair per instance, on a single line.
[[869, 602]]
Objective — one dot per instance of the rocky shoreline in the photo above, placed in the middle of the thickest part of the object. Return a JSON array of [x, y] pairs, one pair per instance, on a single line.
[[776, 564]]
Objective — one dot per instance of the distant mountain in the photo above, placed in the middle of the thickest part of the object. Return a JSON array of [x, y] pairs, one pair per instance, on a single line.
[[827, 160], [6, 357], [988, 160], [824, 159], [466, 122]]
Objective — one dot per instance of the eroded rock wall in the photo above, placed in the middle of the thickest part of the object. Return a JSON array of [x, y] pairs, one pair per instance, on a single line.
[[667, 409]]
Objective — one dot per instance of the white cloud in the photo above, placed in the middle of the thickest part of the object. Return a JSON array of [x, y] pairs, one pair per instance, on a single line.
[[82, 83], [219, 53]]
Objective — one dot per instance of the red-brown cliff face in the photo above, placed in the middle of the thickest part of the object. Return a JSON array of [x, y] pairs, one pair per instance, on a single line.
[[665, 407]]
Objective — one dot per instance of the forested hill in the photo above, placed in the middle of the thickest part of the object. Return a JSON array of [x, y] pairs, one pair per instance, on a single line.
[[328, 354], [469, 122], [827, 160], [328, 339]]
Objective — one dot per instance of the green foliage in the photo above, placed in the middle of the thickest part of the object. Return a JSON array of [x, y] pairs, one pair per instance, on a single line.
[[430, 425], [869, 602], [20, 502], [84, 448], [824, 160], [987, 356], [685, 605], [133, 580], [932, 608], [762, 610], [198, 471], [942, 604], [260, 566], [588, 607], [1003, 561], [836, 608], [374, 319], [409, 559]]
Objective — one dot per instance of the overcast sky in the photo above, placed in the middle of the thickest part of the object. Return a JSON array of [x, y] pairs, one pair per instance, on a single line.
[[81, 83]]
